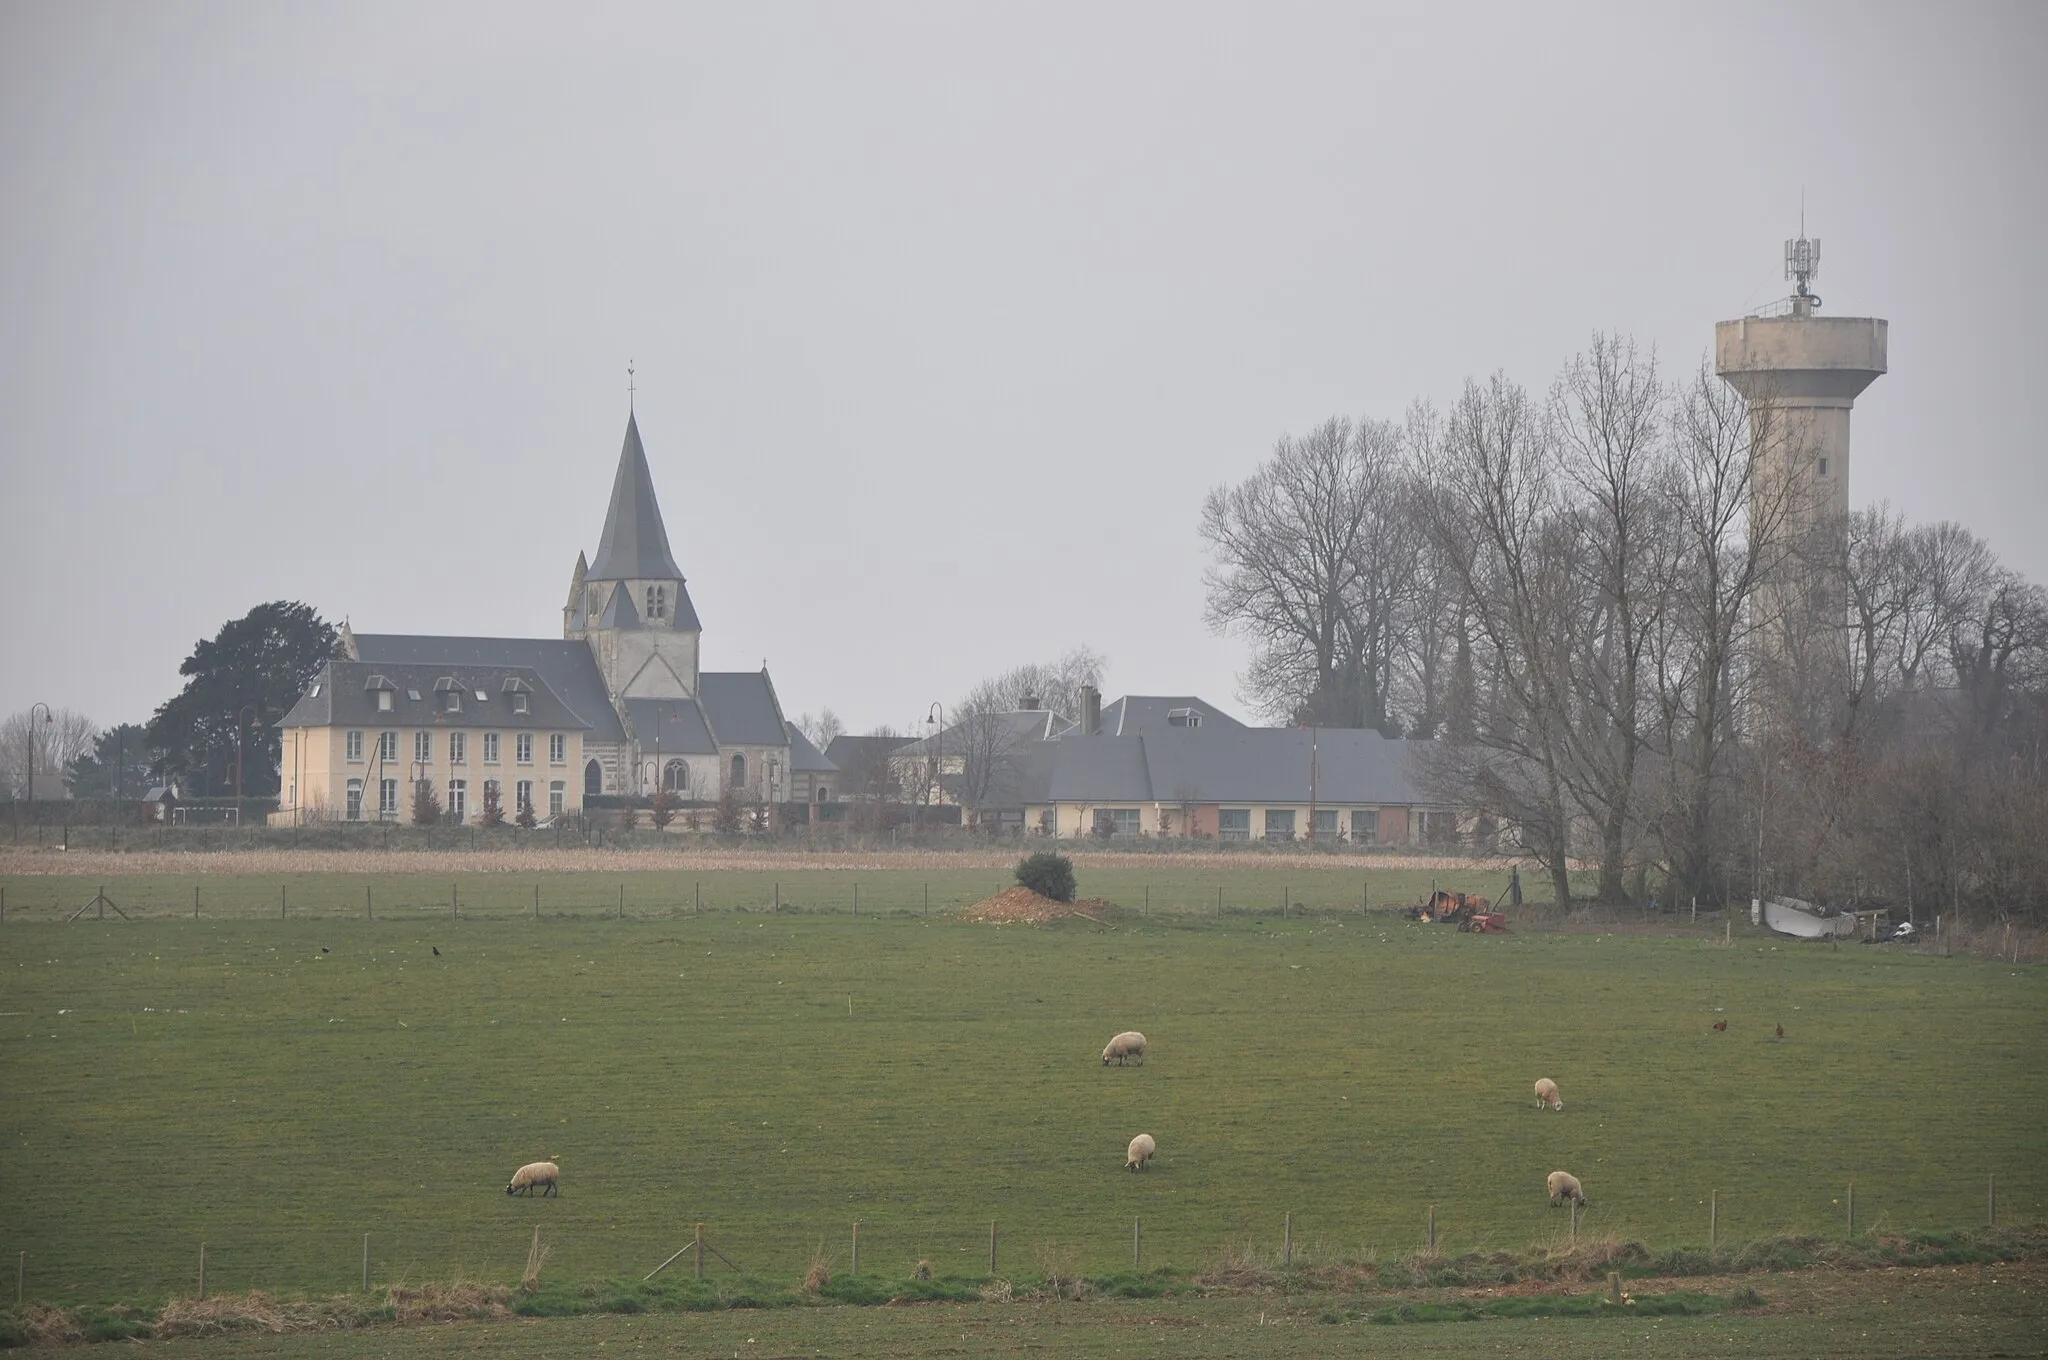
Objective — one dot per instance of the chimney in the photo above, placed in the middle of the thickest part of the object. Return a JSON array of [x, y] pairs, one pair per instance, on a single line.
[[1031, 703], [1091, 711]]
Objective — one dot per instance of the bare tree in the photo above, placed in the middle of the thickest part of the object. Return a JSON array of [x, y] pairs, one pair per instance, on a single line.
[[1311, 564], [977, 755], [820, 729], [56, 738], [1055, 685]]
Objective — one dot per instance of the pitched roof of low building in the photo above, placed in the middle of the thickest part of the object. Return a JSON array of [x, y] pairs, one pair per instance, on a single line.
[[1224, 765], [565, 664], [805, 758], [344, 694], [1138, 715]]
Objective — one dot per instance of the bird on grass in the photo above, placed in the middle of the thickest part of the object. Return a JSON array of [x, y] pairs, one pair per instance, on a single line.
[[437, 951], [1781, 1031], [1720, 1024], [325, 950]]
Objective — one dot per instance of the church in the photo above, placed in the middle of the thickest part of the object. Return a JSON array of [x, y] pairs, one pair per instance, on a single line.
[[618, 704]]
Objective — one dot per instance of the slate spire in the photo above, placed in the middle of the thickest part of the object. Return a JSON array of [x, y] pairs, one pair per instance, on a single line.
[[635, 545]]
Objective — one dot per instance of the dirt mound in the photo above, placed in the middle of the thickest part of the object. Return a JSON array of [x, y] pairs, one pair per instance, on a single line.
[[1022, 904]]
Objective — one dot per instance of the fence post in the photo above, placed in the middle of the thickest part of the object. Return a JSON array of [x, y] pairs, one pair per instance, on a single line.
[[1431, 1235], [195, 901], [369, 908], [1575, 1225], [991, 1246], [856, 897], [202, 1272], [1148, 899], [1614, 1287], [854, 1269], [778, 896], [1287, 1239], [700, 897], [1219, 899], [622, 901], [1991, 1202], [1713, 1219], [20, 1278], [455, 899], [3, 904], [1137, 1245], [280, 901], [366, 1263], [928, 911], [700, 1251]]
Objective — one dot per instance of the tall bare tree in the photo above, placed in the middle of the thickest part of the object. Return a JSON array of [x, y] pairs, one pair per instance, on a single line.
[[55, 739]]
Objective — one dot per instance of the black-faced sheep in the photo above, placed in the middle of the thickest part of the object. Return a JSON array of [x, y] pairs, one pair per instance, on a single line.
[[1140, 1152], [1546, 1094], [1564, 1187], [1129, 1044], [535, 1174]]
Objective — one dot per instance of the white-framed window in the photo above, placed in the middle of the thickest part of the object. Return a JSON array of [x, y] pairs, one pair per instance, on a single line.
[[518, 701], [387, 747], [675, 776], [522, 746], [558, 749], [1279, 824], [558, 797], [384, 698], [355, 800], [493, 789], [458, 748], [739, 770], [355, 748], [454, 701], [1365, 826], [387, 798], [423, 746], [490, 748], [657, 598], [523, 795], [1326, 824], [1233, 824], [458, 799]]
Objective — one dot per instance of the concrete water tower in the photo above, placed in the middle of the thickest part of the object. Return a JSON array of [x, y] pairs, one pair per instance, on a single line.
[[1802, 372]]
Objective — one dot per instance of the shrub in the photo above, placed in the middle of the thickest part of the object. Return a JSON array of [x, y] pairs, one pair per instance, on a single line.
[[1048, 875], [664, 808], [726, 817], [525, 816], [494, 806], [426, 804]]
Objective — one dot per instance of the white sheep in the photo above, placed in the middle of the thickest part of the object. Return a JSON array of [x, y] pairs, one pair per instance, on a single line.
[[1129, 1044], [1563, 1186], [1546, 1094], [533, 1174], [1140, 1152]]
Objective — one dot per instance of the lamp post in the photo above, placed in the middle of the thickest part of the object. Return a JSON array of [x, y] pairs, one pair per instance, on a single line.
[[30, 742], [935, 724], [254, 711]]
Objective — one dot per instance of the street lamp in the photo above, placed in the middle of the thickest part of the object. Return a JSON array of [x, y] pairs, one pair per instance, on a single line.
[[30, 742], [935, 722]]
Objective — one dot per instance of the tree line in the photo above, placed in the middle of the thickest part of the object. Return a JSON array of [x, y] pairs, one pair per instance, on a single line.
[[1623, 609]]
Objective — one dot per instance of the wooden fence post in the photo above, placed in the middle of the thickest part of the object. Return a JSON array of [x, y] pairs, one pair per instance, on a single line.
[[20, 1278], [991, 1246], [1713, 1219], [1137, 1248], [280, 901], [1575, 1225], [1287, 1239], [700, 1251], [856, 898], [700, 897], [366, 1263], [369, 908], [202, 1272], [195, 901], [1852, 1208], [778, 897], [1614, 1287], [1430, 1237], [455, 899], [1991, 1202], [854, 1269], [622, 901]]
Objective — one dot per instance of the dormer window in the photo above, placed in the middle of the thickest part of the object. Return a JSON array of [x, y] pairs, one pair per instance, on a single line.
[[454, 701], [413, 695], [1184, 717], [519, 701], [314, 692], [384, 701], [657, 602]]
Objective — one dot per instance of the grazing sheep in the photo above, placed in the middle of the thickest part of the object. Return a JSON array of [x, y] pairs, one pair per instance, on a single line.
[[1140, 1152], [1563, 1186], [1129, 1044], [1546, 1094], [535, 1173]]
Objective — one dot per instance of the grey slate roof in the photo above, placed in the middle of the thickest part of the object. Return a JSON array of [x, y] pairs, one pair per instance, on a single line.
[[618, 610], [741, 708], [1019, 728], [564, 664], [1226, 765], [1138, 715], [635, 545], [343, 694], [675, 725], [804, 758]]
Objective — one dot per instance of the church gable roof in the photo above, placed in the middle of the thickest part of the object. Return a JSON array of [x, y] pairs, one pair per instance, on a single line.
[[670, 727], [741, 708], [634, 546], [619, 611]]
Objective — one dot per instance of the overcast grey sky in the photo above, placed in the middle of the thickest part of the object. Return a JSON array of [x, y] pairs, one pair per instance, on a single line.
[[945, 316]]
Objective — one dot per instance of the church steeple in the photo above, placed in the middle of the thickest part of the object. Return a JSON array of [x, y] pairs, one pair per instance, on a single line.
[[634, 546]]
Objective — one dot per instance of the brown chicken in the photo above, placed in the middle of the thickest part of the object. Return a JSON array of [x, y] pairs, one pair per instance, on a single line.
[[1720, 1024], [1781, 1031]]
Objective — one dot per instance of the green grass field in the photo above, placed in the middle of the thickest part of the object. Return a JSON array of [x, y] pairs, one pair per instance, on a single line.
[[170, 1081]]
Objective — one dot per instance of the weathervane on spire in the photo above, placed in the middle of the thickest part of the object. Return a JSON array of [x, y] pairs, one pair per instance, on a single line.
[[629, 386]]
